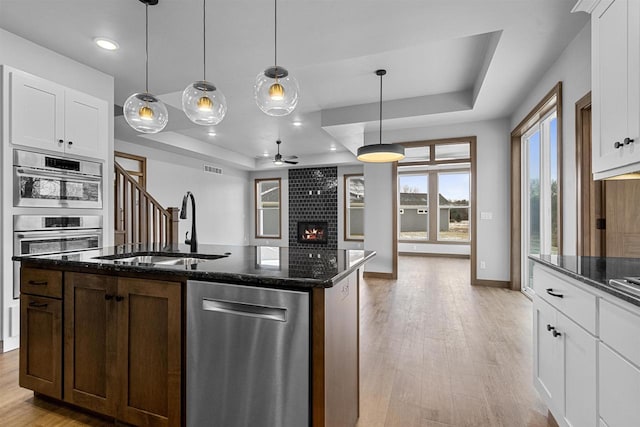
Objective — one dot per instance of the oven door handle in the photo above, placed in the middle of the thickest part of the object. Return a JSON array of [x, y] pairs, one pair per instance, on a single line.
[[56, 234], [48, 173]]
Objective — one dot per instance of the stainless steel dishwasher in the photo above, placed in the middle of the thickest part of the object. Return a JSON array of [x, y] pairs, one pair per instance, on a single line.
[[247, 356]]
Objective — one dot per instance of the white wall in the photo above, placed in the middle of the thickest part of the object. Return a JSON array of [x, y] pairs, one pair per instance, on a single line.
[[378, 216], [26, 56], [493, 168], [222, 201], [573, 68]]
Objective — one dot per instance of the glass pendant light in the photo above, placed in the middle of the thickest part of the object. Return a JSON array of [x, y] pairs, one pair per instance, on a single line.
[[275, 91], [202, 102], [143, 111], [381, 153]]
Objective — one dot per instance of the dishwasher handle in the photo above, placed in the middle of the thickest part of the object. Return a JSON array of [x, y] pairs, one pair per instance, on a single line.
[[244, 309]]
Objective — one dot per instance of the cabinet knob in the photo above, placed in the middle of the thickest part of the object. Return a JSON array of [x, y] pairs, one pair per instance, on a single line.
[[119, 298], [556, 334], [108, 297], [70, 143], [60, 141], [628, 141], [618, 144]]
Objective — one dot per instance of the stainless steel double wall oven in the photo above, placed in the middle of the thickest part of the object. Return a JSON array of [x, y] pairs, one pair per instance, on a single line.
[[48, 190]]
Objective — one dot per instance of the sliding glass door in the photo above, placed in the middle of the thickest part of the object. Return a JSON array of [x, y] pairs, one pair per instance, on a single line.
[[540, 184]]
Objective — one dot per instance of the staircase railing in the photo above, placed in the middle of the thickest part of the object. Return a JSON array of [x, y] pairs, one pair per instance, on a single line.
[[139, 217]]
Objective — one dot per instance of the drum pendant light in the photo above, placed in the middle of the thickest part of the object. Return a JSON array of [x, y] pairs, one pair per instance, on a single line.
[[202, 102], [381, 153], [143, 111], [275, 91]]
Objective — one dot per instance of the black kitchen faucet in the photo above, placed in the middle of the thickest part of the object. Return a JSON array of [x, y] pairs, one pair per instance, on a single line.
[[193, 241]]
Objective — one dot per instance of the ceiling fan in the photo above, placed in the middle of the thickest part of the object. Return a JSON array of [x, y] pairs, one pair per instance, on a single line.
[[279, 159]]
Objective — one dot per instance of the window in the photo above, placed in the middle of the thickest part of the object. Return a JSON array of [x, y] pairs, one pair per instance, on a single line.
[[414, 206], [435, 194], [540, 196], [268, 208], [453, 206], [354, 207]]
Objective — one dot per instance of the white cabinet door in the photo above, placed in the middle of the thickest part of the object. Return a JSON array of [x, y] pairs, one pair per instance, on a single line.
[[36, 112], [548, 355], [615, 84], [85, 125], [580, 349], [619, 389]]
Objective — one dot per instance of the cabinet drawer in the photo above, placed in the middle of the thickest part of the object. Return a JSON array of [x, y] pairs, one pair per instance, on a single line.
[[572, 301], [619, 389], [36, 281], [620, 329]]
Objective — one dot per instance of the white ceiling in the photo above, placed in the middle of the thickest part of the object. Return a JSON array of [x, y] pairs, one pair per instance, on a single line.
[[447, 60]]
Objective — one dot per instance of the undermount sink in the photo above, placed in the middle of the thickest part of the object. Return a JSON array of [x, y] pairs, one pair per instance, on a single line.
[[161, 258]]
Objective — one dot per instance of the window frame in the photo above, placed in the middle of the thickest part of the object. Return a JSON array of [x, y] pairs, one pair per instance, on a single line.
[[431, 170], [468, 206], [346, 209], [257, 202], [553, 99]]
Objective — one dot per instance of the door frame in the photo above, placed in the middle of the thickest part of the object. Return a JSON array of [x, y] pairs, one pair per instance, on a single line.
[[472, 140], [590, 193]]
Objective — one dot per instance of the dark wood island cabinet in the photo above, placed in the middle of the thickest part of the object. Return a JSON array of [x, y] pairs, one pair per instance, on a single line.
[[110, 337]]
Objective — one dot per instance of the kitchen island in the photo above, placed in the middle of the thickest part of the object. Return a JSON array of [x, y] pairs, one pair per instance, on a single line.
[[111, 331], [586, 339]]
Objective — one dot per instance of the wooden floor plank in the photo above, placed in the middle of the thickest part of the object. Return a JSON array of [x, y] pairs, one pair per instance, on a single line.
[[435, 352]]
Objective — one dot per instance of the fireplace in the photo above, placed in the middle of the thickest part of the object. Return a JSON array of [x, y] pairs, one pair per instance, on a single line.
[[312, 232]]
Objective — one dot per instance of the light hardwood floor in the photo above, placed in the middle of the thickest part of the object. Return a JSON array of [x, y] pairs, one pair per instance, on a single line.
[[435, 352]]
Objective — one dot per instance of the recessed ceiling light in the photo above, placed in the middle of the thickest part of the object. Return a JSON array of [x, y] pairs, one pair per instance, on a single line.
[[106, 43], [297, 123], [333, 149], [211, 133]]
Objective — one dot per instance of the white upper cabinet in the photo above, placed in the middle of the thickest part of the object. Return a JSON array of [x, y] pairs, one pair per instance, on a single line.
[[615, 64], [48, 116], [85, 124]]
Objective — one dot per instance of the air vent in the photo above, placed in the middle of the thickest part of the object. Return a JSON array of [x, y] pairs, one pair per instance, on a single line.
[[212, 169]]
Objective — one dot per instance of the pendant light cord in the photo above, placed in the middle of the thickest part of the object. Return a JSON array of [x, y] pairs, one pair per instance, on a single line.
[[381, 109], [146, 47], [275, 35], [204, 40]]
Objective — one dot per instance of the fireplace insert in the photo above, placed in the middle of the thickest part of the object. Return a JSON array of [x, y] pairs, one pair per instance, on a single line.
[[312, 232]]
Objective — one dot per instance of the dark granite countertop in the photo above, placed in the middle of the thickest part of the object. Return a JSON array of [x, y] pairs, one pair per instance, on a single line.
[[250, 265], [596, 271]]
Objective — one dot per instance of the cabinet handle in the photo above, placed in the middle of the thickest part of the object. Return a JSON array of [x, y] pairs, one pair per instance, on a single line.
[[550, 328], [38, 282], [556, 333], [628, 141], [108, 297], [618, 144], [119, 298], [38, 304], [550, 292]]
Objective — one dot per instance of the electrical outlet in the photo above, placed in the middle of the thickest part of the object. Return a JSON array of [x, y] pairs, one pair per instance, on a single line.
[[483, 265]]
